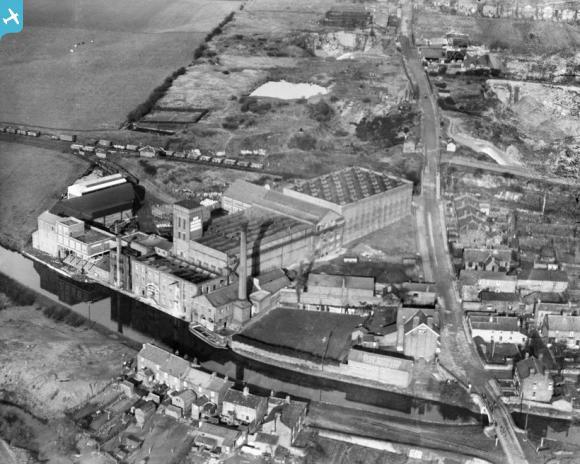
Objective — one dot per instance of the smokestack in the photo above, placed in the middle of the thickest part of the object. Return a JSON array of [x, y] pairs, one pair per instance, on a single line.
[[243, 281], [118, 261]]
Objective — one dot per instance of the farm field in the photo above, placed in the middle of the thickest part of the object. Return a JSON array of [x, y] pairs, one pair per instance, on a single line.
[[31, 181], [126, 49]]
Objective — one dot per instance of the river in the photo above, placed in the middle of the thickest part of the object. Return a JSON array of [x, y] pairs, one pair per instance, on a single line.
[[142, 323]]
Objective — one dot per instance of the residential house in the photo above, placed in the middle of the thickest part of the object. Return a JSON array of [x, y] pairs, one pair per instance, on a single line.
[[162, 366], [173, 411], [497, 356], [203, 407], [184, 400], [562, 329], [500, 302], [486, 259], [242, 407], [542, 304], [532, 381], [381, 328], [143, 411], [265, 443], [542, 280], [148, 151], [418, 337], [286, 418], [218, 438], [473, 282], [466, 7], [546, 259], [499, 329], [417, 293], [207, 385]]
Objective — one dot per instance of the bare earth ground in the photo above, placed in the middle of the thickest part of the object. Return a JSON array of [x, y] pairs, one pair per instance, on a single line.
[[135, 46], [51, 367], [31, 181], [521, 36], [287, 40]]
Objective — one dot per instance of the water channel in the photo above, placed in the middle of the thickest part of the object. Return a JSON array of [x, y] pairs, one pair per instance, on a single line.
[[142, 323]]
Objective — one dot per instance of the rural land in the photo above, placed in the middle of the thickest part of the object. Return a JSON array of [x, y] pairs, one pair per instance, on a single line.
[[250, 231]]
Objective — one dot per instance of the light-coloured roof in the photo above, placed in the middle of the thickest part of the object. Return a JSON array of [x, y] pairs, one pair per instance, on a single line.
[[482, 255], [499, 323], [349, 185], [245, 192], [563, 323], [543, 275], [340, 281]]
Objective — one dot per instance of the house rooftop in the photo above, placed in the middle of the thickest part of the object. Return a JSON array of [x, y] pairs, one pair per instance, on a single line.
[[564, 324], [511, 324], [422, 318], [482, 255], [349, 185], [486, 295], [248, 400], [529, 366], [176, 267], [228, 435], [468, 277], [223, 296], [543, 275]]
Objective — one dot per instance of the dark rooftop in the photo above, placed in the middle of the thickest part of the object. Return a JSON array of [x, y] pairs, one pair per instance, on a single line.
[[189, 203], [97, 204], [178, 268], [223, 234], [248, 400], [349, 185]]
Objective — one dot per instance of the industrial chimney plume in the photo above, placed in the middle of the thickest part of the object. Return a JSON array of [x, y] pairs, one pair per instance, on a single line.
[[243, 273]]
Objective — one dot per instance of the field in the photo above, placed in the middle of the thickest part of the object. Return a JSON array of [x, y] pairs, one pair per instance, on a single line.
[[311, 333], [31, 181], [126, 49], [516, 35]]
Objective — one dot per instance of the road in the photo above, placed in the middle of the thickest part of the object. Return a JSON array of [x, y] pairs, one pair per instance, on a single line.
[[457, 351]]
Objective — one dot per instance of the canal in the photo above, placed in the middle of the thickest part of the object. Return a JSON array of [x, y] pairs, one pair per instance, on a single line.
[[142, 323]]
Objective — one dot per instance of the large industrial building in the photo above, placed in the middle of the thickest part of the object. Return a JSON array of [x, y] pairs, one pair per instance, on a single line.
[[367, 200]]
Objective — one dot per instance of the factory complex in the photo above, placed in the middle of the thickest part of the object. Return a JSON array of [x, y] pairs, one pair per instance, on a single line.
[[203, 274]]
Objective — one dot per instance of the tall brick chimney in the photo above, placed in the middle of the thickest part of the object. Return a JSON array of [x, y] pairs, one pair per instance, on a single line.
[[243, 280]]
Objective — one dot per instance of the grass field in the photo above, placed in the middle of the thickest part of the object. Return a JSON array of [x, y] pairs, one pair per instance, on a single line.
[[135, 45], [31, 181], [314, 333]]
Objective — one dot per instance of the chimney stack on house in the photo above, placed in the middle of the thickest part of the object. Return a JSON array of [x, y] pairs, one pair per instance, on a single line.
[[246, 391], [243, 279], [118, 261], [415, 321]]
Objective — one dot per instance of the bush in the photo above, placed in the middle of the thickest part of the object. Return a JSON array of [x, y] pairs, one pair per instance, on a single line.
[[16, 292], [149, 169], [321, 111]]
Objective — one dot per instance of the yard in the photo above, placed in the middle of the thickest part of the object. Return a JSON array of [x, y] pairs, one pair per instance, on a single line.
[[32, 179], [83, 65], [304, 333]]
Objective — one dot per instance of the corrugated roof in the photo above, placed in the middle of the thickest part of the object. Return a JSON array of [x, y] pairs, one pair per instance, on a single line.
[[97, 204], [349, 185], [509, 324]]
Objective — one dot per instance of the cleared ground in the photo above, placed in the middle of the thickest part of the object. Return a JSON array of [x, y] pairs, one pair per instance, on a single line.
[[517, 35], [51, 367], [31, 181], [126, 49]]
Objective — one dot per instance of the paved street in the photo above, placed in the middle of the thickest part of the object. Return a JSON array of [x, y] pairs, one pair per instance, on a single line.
[[458, 353]]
